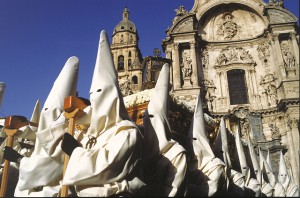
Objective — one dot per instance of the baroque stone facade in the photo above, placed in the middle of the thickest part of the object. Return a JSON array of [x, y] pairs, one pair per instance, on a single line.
[[243, 55]]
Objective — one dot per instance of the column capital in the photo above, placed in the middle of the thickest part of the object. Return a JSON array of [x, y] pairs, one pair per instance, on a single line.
[[193, 44], [176, 46]]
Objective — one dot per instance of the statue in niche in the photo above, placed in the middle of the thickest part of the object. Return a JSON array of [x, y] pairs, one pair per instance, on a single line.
[[289, 60], [204, 58], [272, 94], [210, 94], [245, 128], [274, 128], [186, 67], [228, 28]]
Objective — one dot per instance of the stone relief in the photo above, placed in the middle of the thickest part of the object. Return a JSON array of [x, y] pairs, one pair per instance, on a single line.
[[204, 58], [274, 129], [185, 26], [264, 53], [227, 28], [270, 89], [125, 87], [234, 55]]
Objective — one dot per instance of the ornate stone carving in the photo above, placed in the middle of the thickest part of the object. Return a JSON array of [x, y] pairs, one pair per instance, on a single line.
[[186, 65], [125, 87], [210, 93], [227, 28], [279, 16], [274, 129], [204, 58], [268, 83], [234, 55], [264, 53], [276, 3]]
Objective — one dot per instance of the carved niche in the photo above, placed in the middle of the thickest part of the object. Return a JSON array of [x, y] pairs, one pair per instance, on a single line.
[[268, 82]]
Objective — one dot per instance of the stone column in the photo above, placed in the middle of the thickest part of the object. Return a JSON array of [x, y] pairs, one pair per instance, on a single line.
[[176, 67], [295, 46], [292, 154], [219, 76], [169, 56], [278, 55], [194, 63], [295, 135]]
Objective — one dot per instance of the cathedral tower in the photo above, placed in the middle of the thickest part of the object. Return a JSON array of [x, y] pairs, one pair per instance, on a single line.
[[126, 55]]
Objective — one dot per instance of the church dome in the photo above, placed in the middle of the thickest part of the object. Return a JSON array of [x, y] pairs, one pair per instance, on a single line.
[[125, 24]]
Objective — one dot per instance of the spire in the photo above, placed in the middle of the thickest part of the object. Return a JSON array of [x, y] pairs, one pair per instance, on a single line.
[[106, 98], [126, 13]]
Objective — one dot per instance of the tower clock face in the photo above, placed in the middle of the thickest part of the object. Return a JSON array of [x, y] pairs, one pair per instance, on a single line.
[[156, 52]]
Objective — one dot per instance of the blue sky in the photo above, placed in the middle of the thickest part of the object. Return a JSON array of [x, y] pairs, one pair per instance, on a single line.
[[38, 36]]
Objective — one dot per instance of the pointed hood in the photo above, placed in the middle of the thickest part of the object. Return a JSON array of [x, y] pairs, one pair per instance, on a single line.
[[268, 171], [156, 124], [29, 130], [64, 85], [240, 158], [283, 177], [254, 161], [221, 145], [197, 137], [269, 161], [2, 89], [106, 99]]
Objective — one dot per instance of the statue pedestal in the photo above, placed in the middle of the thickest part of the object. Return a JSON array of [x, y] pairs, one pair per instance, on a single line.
[[187, 82]]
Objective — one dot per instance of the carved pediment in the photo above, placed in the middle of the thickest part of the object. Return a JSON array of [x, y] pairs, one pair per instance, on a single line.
[[280, 16], [185, 25]]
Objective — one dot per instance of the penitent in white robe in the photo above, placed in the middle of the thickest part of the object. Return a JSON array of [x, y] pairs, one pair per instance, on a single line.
[[108, 167]]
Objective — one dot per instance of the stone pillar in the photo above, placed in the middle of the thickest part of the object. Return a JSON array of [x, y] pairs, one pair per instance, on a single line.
[[278, 55], [169, 56], [295, 135], [292, 154], [295, 46], [219, 76], [176, 67], [194, 63]]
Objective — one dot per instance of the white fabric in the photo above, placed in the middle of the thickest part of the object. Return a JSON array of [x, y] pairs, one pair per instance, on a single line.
[[105, 96], [253, 188], [254, 161], [222, 152], [169, 172], [40, 174], [237, 184], [264, 166], [2, 90], [283, 177], [110, 166], [205, 169]]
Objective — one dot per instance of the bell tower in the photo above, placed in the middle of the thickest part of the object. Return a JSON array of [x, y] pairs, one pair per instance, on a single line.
[[126, 55]]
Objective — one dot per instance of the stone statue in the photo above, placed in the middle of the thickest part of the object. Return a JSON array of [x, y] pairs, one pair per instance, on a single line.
[[289, 60], [272, 94], [186, 67], [228, 28]]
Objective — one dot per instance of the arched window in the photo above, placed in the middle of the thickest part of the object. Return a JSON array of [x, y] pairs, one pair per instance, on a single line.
[[134, 79], [129, 54], [121, 63], [237, 86], [129, 62]]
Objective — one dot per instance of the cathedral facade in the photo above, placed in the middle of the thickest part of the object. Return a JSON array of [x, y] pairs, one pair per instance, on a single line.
[[243, 56]]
